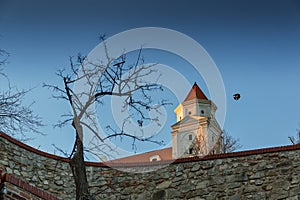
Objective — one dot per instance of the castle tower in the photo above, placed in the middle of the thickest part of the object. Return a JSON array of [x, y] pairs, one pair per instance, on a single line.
[[196, 131]]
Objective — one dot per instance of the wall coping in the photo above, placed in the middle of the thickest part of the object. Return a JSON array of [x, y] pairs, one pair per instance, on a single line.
[[164, 162], [32, 149]]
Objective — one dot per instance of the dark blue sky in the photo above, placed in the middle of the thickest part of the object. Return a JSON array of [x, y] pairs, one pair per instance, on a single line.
[[255, 45]]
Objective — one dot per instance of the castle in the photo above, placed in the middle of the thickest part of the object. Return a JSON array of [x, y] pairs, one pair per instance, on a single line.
[[270, 173], [196, 132]]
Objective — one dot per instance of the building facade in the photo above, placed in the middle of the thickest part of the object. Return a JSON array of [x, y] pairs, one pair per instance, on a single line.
[[196, 131]]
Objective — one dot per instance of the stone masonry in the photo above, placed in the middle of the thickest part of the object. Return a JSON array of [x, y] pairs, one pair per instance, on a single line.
[[272, 173]]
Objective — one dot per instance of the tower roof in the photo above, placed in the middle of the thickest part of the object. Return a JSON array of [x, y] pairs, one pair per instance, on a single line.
[[195, 93]]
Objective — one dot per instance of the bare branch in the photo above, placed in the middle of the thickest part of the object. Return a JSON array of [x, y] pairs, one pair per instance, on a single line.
[[60, 150], [15, 117], [295, 140], [230, 144], [3, 56], [111, 77], [123, 134]]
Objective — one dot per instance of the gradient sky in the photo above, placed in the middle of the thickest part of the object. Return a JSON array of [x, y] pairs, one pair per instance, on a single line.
[[255, 45]]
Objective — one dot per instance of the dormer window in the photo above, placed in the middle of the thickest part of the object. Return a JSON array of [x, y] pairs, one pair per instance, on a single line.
[[154, 158]]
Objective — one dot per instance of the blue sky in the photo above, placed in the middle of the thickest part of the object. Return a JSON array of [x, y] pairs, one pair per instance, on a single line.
[[255, 45]]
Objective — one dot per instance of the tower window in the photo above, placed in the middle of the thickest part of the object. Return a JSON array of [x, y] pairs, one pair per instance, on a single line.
[[202, 111], [186, 111], [190, 137]]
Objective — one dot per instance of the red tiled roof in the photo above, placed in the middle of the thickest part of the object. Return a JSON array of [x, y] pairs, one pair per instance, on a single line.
[[164, 154], [195, 93], [166, 160]]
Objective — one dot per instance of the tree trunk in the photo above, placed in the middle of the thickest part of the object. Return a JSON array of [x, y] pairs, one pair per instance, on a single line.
[[77, 165]]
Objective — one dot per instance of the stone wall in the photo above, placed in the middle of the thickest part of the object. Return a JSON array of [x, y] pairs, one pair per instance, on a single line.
[[47, 172], [272, 173], [13, 188]]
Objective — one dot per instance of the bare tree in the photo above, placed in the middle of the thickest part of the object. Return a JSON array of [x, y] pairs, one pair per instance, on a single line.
[[198, 147], [297, 139], [224, 144], [109, 77], [201, 146], [229, 144], [16, 118]]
